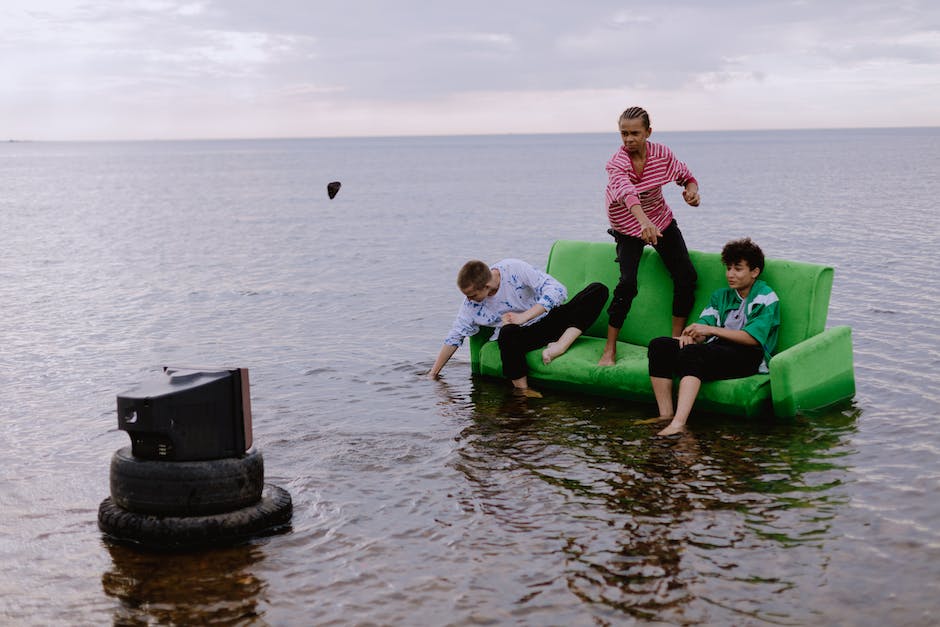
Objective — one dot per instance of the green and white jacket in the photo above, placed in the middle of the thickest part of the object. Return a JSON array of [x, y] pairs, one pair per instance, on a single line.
[[761, 315]]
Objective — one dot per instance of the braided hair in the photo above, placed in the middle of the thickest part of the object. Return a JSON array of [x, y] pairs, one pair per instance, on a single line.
[[636, 112]]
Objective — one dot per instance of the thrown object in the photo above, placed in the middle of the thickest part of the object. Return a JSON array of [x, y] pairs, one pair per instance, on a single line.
[[333, 188]]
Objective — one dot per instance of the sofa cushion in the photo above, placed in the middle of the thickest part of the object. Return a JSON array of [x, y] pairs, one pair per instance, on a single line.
[[577, 370]]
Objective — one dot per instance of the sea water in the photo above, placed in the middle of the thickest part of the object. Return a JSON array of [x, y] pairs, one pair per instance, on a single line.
[[454, 502]]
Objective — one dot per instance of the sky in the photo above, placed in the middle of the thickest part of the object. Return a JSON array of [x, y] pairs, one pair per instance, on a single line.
[[177, 69]]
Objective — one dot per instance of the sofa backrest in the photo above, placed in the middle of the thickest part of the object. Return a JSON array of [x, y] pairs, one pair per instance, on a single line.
[[803, 289]]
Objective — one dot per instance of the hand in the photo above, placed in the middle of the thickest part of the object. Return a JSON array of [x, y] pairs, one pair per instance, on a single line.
[[433, 376], [513, 317], [650, 234], [698, 332], [685, 340], [691, 196]]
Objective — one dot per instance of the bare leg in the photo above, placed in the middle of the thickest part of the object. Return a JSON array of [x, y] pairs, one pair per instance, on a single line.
[[688, 390], [559, 346], [609, 356], [662, 388]]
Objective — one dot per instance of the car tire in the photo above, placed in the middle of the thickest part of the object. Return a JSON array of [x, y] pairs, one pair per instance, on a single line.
[[187, 488], [271, 514]]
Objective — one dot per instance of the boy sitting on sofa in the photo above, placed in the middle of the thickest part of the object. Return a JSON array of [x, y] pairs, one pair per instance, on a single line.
[[528, 309], [733, 337]]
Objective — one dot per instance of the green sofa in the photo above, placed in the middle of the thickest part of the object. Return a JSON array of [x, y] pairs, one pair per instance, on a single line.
[[812, 366]]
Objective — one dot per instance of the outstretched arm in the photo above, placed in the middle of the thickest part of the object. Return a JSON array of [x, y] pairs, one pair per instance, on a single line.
[[650, 234], [447, 351]]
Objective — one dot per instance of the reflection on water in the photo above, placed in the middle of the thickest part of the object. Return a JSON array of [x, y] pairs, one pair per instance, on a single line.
[[687, 529], [218, 586]]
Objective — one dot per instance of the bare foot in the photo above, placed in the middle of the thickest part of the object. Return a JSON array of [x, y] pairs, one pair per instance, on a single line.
[[649, 421], [673, 429], [607, 359], [551, 352], [526, 392]]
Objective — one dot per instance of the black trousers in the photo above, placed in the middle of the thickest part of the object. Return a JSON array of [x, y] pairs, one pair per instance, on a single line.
[[718, 359], [674, 253], [580, 311]]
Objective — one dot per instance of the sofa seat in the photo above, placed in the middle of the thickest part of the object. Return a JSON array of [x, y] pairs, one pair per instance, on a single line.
[[577, 371]]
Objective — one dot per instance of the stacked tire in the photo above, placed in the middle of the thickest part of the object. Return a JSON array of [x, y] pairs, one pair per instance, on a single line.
[[189, 504]]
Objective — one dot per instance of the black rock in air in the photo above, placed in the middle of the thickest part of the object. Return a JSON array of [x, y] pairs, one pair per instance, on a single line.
[[333, 188]]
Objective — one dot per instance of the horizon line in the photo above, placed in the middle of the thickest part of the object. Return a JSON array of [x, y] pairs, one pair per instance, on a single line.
[[14, 140]]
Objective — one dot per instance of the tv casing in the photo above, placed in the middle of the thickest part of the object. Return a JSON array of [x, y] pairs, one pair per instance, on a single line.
[[188, 414]]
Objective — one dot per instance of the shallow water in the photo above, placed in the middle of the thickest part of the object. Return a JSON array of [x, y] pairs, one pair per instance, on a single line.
[[456, 502]]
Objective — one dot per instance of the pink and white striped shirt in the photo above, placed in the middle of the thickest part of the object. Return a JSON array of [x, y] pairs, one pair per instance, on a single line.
[[625, 188]]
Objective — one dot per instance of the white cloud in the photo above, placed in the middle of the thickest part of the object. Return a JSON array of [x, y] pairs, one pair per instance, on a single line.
[[624, 17], [177, 68], [495, 40]]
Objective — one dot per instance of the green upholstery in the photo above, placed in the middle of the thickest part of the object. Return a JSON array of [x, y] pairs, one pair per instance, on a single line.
[[813, 373], [812, 366]]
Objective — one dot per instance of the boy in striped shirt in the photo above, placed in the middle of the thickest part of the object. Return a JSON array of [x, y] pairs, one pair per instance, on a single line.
[[734, 337], [639, 215]]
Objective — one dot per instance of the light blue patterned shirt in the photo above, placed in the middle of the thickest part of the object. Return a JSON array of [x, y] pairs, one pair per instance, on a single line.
[[521, 286]]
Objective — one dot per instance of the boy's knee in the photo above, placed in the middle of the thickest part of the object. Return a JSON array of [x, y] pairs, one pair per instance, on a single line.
[[625, 288], [661, 347], [658, 344], [598, 293], [600, 289], [661, 355]]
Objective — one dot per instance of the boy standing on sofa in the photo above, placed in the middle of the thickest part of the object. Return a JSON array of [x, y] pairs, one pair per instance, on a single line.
[[639, 215], [528, 309], [733, 337]]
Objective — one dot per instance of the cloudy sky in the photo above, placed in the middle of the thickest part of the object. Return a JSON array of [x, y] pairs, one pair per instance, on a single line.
[[142, 69]]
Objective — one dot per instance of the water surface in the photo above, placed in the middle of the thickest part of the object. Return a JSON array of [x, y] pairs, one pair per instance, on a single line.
[[456, 502]]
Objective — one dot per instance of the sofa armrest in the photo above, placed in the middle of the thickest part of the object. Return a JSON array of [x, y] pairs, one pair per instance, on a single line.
[[476, 343], [816, 372]]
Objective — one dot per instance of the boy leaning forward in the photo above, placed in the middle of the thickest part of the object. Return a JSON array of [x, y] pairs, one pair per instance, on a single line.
[[528, 309]]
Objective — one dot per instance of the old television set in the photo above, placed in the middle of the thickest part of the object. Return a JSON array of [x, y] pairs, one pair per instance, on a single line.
[[188, 414]]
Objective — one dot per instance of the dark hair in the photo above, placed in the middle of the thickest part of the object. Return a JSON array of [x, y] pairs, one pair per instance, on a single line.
[[633, 113], [743, 250], [473, 275]]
